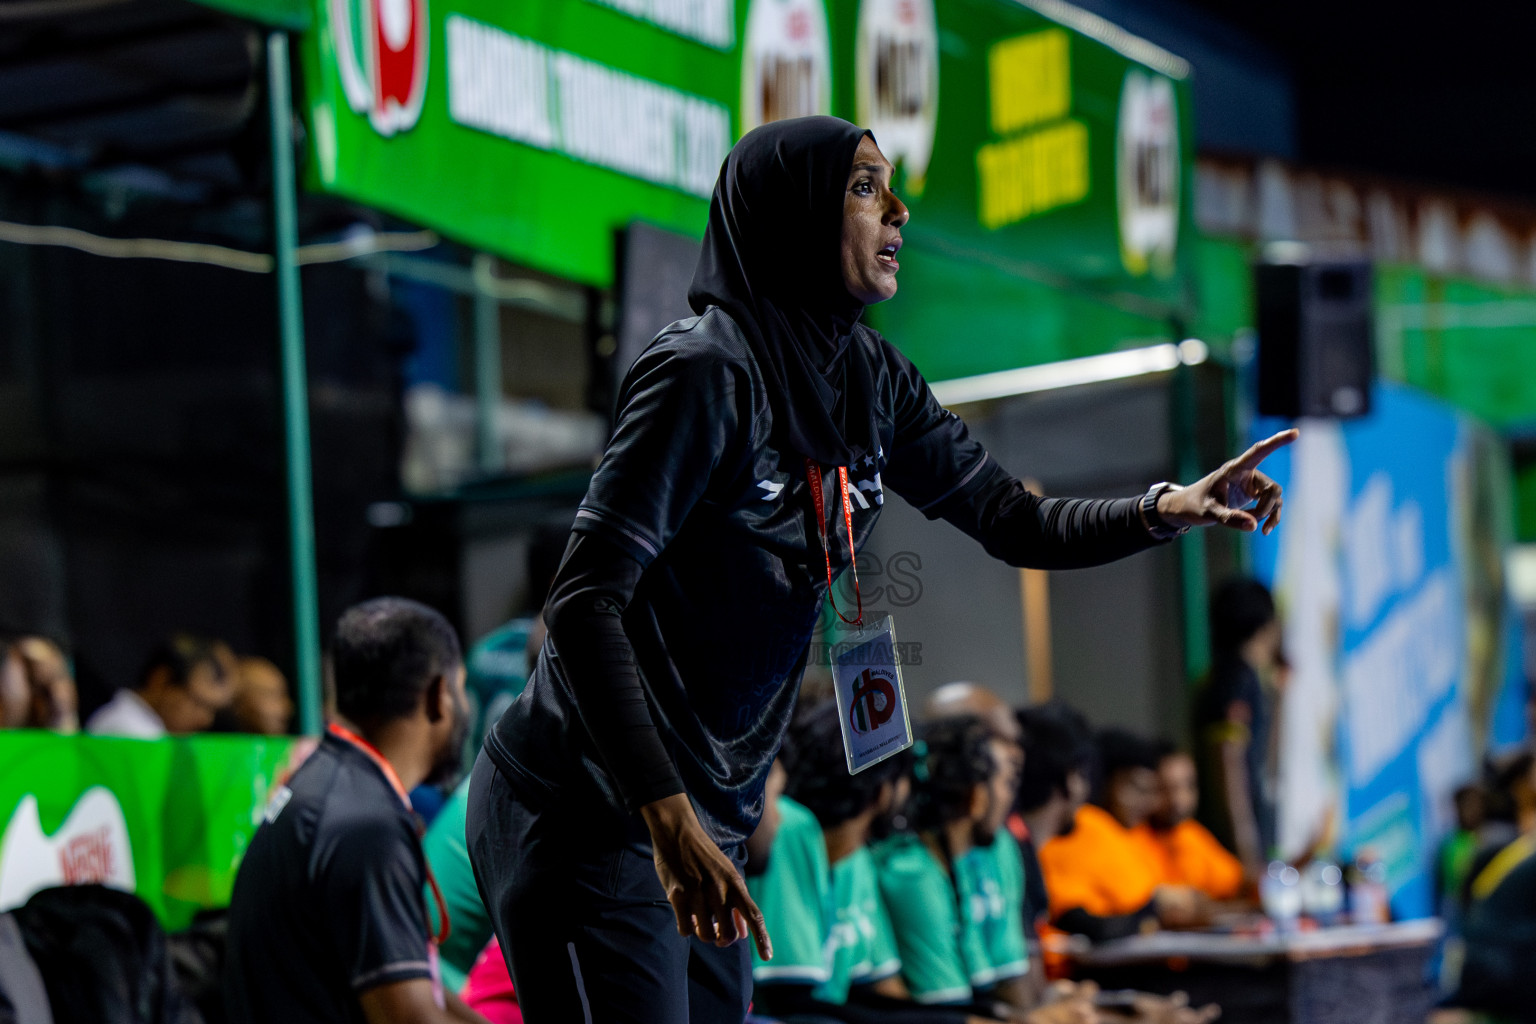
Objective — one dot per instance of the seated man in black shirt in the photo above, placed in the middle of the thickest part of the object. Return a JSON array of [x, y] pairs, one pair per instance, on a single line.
[[327, 921], [1058, 762]]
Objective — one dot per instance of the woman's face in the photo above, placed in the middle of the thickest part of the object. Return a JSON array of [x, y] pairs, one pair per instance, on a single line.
[[872, 220]]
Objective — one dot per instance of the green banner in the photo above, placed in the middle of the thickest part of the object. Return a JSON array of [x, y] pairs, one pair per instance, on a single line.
[[1054, 219], [167, 819], [1041, 155], [534, 130]]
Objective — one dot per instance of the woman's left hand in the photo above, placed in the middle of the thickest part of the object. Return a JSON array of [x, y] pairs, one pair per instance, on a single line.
[[1224, 496]]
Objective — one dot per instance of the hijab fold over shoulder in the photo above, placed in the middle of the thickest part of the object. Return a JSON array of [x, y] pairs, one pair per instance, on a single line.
[[772, 259]]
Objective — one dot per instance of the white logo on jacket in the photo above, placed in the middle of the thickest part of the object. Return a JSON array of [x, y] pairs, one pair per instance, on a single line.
[[872, 484]]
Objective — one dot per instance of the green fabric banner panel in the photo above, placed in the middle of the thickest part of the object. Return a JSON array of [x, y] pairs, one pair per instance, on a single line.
[[1224, 283], [1472, 343], [958, 318], [167, 819]]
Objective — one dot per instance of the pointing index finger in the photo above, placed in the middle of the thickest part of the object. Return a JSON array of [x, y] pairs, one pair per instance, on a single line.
[[742, 903], [1267, 447]]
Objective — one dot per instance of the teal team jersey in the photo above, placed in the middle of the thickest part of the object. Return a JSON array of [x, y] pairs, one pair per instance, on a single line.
[[470, 925], [794, 894], [864, 946], [828, 925], [496, 671], [992, 877], [944, 958]]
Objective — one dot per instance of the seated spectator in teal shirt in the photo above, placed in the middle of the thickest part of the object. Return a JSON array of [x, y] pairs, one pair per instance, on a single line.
[[954, 886], [444, 841], [498, 663], [470, 925], [834, 957]]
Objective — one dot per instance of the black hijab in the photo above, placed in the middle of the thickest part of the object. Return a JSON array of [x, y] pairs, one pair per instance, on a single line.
[[772, 259]]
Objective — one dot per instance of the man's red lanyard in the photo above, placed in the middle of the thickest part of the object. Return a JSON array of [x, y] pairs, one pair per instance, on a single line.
[[372, 753], [813, 477]]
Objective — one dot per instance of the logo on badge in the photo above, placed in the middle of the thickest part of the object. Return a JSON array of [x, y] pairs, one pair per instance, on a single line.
[[381, 52], [873, 703]]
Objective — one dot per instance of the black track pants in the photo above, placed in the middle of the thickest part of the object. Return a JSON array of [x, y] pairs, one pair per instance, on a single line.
[[587, 931]]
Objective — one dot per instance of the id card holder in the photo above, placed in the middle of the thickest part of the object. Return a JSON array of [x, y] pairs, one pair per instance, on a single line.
[[871, 701]]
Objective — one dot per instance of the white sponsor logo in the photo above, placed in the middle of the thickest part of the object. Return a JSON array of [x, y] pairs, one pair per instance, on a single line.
[[872, 485], [1147, 174], [91, 846], [772, 489], [786, 62], [897, 81]]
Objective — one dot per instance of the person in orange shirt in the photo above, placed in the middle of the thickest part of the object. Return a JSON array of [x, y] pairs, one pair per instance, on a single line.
[[1190, 854], [1105, 878]]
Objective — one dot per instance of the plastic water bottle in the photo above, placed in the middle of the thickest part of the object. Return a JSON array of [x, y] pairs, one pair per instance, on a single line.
[[1280, 893], [1322, 892]]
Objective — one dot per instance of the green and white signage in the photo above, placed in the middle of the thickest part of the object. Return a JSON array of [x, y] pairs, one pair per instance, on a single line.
[[531, 129], [1038, 147], [166, 819]]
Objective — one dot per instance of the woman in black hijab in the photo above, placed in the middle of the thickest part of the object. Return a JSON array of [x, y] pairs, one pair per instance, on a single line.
[[772, 260], [608, 811]]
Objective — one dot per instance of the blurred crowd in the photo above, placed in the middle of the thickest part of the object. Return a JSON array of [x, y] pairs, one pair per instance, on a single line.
[[950, 877], [953, 882], [188, 684]]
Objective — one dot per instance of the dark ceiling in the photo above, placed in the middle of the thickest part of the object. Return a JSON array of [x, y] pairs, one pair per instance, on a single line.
[[163, 92], [1443, 94]]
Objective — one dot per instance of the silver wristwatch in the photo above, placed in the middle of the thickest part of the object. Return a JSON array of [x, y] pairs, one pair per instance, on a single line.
[[1157, 526]]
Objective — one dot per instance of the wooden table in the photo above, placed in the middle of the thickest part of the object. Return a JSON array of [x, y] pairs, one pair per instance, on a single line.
[[1356, 974]]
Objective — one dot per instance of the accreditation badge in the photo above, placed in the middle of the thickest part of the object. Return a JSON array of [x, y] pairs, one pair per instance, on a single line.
[[871, 701]]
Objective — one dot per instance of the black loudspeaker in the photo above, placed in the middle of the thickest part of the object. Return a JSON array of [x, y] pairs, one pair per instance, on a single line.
[[1315, 338]]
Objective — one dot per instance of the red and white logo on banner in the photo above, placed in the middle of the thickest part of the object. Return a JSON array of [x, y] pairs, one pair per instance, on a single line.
[[381, 53]]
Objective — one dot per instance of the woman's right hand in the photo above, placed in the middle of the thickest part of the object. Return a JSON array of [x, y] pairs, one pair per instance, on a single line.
[[706, 891]]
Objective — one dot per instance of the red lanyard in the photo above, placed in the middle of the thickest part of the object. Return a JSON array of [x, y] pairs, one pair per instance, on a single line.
[[813, 477], [372, 753]]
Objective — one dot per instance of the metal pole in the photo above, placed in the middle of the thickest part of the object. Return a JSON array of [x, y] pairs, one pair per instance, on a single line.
[[487, 366], [301, 520], [1192, 564]]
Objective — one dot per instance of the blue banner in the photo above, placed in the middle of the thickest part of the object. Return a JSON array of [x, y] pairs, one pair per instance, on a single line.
[[1389, 576]]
